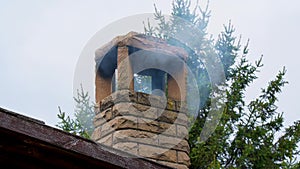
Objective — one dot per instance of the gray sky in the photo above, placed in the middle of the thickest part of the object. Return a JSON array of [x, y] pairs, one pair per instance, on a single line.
[[41, 42]]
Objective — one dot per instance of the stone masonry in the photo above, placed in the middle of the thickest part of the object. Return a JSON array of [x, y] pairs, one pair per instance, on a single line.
[[128, 121], [149, 126]]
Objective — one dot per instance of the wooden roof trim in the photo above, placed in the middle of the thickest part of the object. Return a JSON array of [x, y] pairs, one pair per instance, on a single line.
[[14, 122]]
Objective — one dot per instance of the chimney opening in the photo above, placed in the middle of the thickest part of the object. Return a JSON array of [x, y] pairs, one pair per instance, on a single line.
[[151, 81]]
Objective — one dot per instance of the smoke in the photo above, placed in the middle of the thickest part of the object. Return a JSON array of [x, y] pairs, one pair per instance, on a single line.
[[153, 63], [107, 64]]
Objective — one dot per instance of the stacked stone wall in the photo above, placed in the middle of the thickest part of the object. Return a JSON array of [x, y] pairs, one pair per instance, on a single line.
[[145, 125]]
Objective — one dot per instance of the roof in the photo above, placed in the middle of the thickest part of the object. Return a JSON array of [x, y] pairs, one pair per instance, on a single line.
[[141, 41], [29, 143]]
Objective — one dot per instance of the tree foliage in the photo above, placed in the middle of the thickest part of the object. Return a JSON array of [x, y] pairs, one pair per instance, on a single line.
[[82, 124], [246, 135]]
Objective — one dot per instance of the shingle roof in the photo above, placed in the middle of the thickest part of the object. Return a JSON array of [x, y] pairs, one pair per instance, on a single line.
[[30, 143]]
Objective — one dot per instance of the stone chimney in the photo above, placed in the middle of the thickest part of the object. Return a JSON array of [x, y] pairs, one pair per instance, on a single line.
[[150, 123]]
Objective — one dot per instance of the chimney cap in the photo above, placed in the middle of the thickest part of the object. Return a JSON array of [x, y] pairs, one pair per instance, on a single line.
[[141, 41]]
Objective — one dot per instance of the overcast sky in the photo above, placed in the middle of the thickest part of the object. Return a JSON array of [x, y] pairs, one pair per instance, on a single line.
[[41, 41]]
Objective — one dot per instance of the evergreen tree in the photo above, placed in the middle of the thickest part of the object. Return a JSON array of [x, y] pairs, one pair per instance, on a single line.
[[245, 134], [82, 124]]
